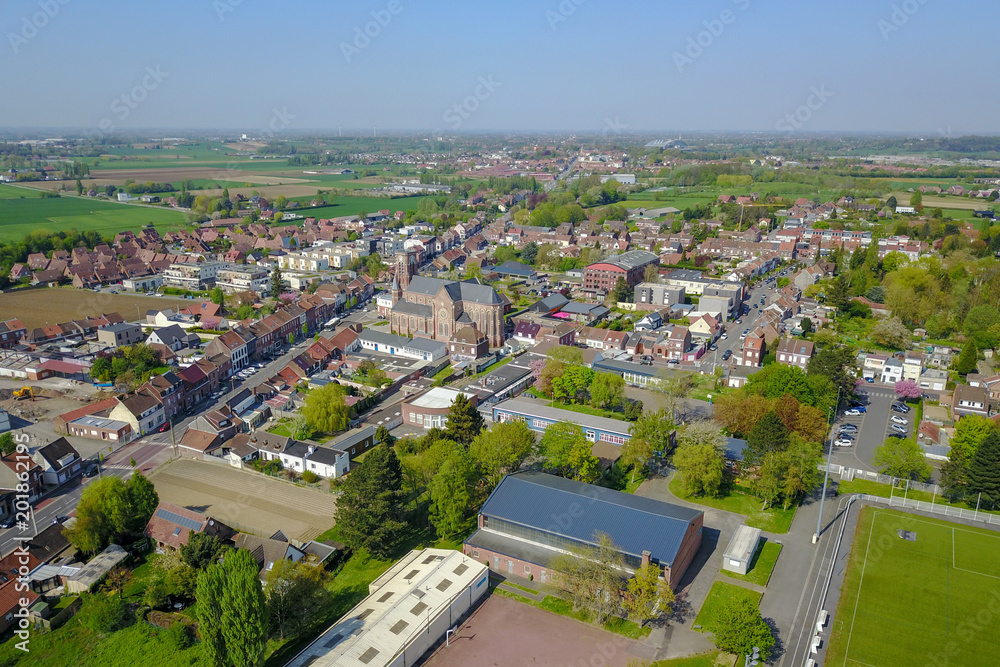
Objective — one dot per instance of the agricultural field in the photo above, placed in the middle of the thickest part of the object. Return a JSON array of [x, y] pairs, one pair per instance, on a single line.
[[931, 202], [932, 599], [39, 306], [351, 206], [18, 216]]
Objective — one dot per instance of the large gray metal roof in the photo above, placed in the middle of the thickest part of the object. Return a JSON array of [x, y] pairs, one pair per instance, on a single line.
[[578, 511]]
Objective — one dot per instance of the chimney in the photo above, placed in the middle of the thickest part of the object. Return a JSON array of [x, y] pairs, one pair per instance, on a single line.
[[645, 558], [309, 452]]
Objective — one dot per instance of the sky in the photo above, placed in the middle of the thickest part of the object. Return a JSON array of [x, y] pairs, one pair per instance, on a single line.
[[783, 66]]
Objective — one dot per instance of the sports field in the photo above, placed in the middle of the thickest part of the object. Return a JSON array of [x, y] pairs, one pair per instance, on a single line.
[[934, 600]]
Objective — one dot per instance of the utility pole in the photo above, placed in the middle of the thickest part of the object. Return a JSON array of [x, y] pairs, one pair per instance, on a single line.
[[173, 443], [826, 474]]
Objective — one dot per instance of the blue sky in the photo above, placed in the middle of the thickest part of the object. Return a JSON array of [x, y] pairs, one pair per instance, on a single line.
[[579, 65]]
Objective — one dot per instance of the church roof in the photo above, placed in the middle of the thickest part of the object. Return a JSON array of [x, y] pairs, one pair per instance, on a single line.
[[458, 291], [408, 308]]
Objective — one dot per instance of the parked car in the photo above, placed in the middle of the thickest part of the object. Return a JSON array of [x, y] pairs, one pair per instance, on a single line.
[[727, 354], [899, 407], [840, 442], [725, 336], [897, 435], [898, 420], [713, 347], [854, 412], [845, 436], [849, 427], [7, 523], [897, 428], [164, 427]]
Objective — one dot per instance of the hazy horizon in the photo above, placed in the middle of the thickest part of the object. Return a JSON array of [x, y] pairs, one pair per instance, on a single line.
[[576, 66]]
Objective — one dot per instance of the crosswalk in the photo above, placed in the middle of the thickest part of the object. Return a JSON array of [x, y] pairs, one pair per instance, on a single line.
[[881, 394]]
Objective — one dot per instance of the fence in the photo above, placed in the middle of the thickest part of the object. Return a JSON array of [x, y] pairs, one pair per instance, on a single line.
[[850, 474], [934, 508]]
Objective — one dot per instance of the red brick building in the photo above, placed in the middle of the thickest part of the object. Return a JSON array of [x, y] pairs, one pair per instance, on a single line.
[[630, 265]]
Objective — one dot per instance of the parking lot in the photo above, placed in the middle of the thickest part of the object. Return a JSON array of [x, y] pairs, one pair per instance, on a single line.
[[873, 427]]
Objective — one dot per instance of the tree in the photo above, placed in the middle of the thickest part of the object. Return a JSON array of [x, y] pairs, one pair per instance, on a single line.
[[622, 292], [970, 431], [558, 442], [655, 428], [374, 265], [449, 494], [651, 274], [79, 187], [103, 613], [325, 408], [572, 383], [836, 364], [703, 432], [143, 499], [553, 369], [201, 550], [502, 449], [838, 294], [592, 576], [903, 458], [876, 294], [891, 332], [300, 428], [768, 435], [968, 360], [807, 325], [648, 595], [636, 452], [295, 592], [217, 296], [382, 435], [211, 587], [701, 468], [529, 253], [370, 509], [739, 628], [464, 421], [110, 509], [244, 612], [607, 390], [907, 389], [891, 202], [7, 444], [984, 472], [585, 466]]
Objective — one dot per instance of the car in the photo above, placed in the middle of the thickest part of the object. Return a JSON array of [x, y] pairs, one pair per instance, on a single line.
[[90, 471], [843, 443], [760, 312], [853, 412], [746, 331], [673, 361], [164, 428], [851, 428], [727, 354], [897, 428], [645, 362], [724, 336], [845, 436], [739, 320], [870, 380], [60, 519], [7, 523], [899, 407], [898, 420], [742, 336], [900, 436]]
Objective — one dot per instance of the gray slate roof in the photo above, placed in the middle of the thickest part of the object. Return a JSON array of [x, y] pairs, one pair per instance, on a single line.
[[634, 523], [458, 291]]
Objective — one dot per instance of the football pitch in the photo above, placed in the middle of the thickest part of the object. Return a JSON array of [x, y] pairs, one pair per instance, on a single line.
[[930, 600]]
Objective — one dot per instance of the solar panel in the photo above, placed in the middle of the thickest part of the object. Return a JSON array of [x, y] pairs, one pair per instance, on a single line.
[[418, 608], [398, 627], [443, 586], [368, 655], [461, 569], [178, 519]]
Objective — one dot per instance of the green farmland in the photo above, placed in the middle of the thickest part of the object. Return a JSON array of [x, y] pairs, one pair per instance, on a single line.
[[932, 600], [19, 217]]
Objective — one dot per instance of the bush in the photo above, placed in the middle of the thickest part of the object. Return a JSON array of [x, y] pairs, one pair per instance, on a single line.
[[177, 637], [103, 613], [309, 477]]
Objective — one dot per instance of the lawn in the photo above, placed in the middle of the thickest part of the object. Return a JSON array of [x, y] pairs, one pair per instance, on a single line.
[[18, 216], [773, 520], [761, 566], [887, 491], [928, 601], [351, 206], [718, 598]]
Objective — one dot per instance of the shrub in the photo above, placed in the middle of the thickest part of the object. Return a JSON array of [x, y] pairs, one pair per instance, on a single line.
[[309, 477]]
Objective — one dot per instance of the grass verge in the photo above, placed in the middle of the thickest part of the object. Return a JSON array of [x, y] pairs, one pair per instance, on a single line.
[[773, 519], [761, 566], [721, 595]]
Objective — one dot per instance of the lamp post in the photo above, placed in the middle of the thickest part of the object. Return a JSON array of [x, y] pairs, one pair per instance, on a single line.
[[826, 473]]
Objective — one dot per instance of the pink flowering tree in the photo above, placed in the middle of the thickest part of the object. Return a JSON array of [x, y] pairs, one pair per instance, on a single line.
[[907, 389]]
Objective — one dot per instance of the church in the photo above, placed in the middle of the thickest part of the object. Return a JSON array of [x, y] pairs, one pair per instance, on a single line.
[[438, 309]]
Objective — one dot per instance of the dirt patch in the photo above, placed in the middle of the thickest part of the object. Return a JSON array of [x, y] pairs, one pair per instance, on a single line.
[[169, 175], [505, 632], [37, 307]]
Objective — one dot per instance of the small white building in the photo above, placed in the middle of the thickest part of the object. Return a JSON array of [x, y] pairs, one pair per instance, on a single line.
[[413, 348], [740, 552]]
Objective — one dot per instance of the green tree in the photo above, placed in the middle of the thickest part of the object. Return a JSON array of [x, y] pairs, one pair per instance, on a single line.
[[838, 293], [970, 430], [891, 332], [296, 591], [201, 550], [142, 499], [244, 611], [701, 468], [622, 292], [217, 296], [558, 443], [374, 265], [768, 435], [636, 453], [903, 458], [110, 509], [739, 628], [648, 596], [210, 591], [103, 613], [464, 421], [449, 494], [529, 253], [502, 449], [592, 576], [382, 435], [807, 325], [7, 444], [836, 364], [325, 408], [984, 473], [968, 360], [572, 384], [370, 509], [655, 428], [585, 466], [277, 282], [607, 390]]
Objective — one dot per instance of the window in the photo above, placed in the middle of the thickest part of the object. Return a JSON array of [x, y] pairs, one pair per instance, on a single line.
[[475, 553], [527, 569], [614, 439]]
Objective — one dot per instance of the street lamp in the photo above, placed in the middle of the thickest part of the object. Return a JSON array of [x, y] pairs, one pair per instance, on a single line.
[[753, 659]]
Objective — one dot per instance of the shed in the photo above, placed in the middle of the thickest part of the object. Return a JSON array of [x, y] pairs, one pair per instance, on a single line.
[[742, 547], [96, 569]]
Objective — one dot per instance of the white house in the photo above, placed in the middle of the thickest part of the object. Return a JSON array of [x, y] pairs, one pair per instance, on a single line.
[[415, 348], [892, 371]]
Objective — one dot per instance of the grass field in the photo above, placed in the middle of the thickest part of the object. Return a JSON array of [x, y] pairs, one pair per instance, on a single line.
[[19, 216], [762, 565], [37, 307], [773, 519], [351, 206], [932, 601], [720, 595]]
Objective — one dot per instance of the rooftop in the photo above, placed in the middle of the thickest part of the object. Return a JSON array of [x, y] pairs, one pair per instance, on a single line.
[[437, 397], [543, 411]]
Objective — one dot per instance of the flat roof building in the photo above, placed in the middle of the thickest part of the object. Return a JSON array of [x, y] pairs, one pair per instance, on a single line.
[[739, 554], [430, 409], [539, 417], [407, 611]]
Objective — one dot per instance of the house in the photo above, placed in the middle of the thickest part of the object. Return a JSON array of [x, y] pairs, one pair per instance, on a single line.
[[468, 344], [705, 326], [168, 389], [630, 266], [267, 551], [415, 348], [171, 526], [59, 462], [753, 351], [794, 352], [518, 536], [141, 410], [969, 400], [122, 333], [15, 596], [602, 339], [173, 337], [430, 409], [892, 371]]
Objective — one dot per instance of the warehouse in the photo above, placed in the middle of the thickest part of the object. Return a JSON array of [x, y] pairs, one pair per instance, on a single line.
[[407, 611], [532, 517]]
